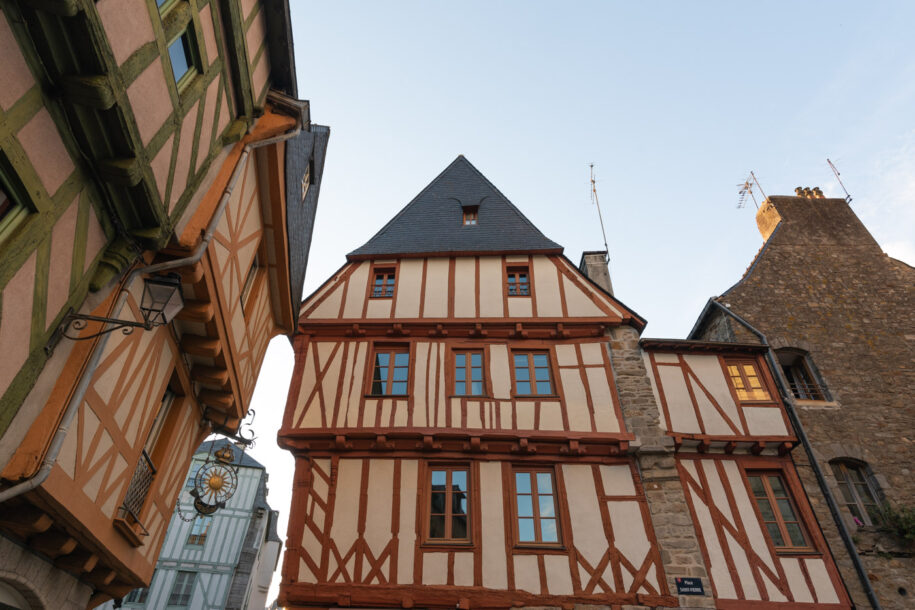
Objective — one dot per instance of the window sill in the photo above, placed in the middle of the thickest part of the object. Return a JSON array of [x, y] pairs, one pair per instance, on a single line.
[[448, 544], [798, 552], [133, 532], [816, 404], [386, 396], [523, 296], [472, 396], [539, 549], [535, 396], [381, 297]]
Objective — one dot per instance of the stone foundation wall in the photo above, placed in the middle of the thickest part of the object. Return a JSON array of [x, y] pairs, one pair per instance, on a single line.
[[43, 586]]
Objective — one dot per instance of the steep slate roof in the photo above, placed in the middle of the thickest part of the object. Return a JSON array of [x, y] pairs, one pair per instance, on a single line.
[[432, 222]]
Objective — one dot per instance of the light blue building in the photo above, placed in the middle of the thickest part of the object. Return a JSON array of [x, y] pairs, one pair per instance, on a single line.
[[225, 560]]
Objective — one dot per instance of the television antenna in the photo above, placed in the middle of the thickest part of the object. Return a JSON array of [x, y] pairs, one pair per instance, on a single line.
[[747, 189], [599, 215], [836, 172]]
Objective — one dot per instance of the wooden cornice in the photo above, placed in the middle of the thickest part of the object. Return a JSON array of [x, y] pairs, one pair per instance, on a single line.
[[508, 328]]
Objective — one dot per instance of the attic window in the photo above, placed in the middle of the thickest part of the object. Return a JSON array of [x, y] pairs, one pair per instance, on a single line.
[[470, 214], [306, 181]]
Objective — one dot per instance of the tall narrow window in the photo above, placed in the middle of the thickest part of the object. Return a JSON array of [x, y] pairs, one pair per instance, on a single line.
[[747, 381], [306, 181], [181, 53], [383, 286], [518, 282], [858, 495], [532, 374], [249, 281], [535, 507], [137, 596], [181, 590], [778, 511], [449, 495], [468, 373], [390, 372], [801, 379], [199, 529]]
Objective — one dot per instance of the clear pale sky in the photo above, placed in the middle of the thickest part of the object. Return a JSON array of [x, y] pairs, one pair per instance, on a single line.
[[674, 103]]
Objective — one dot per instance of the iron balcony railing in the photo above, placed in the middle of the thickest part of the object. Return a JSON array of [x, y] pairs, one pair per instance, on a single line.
[[807, 390], [139, 487]]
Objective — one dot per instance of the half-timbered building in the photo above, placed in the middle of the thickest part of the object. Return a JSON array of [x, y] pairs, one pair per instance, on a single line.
[[474, 425], [145, 147]]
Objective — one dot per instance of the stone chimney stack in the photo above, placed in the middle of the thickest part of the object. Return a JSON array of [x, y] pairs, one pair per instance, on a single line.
[[595, 265]]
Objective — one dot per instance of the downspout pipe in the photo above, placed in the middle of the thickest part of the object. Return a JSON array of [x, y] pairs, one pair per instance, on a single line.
[[76, 398], [817, 471]]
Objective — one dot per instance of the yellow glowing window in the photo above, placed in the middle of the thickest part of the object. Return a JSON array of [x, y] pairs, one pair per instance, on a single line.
[[747, 381]]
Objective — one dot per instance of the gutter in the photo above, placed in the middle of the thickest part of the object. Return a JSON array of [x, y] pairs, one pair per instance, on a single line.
[[817, 471], [76, 398]]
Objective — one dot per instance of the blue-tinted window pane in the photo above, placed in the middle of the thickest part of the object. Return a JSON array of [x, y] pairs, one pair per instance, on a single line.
[[524, 387], [460, 373], [402, 359], [179, 53], [459, 388], [476, 359], [459, 361], [400, 374], [522, 374], [541, 360], [542, 374], [476, 388], [476, 374], [399, 387], [459, 480], [544, 483], [523, 482], [546, 506], [439, 477], [526, 530], [520, 361], [548, 530], [525, 508], [382, 360], [543, 387], [459, 503]]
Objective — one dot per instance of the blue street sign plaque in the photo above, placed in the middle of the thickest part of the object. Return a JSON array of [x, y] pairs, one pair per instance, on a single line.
[[690, 586]]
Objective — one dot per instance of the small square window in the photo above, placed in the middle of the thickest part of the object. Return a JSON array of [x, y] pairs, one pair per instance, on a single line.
[[390, 372], [181, 54], [778, 511], [471, 215], [518, 282], [449, 501], [747, 380], [532, 374], [199, 529], [468, 373], [383, 286], [536, 516]]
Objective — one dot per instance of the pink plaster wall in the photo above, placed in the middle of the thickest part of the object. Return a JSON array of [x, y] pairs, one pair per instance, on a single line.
[[95, 239], [148, 96], [209, 116], [160, 166], [255, 35], [209, 37], [14, 73], [127, 24], [62, 238], [16, 321], [46, 151], [182, 165]]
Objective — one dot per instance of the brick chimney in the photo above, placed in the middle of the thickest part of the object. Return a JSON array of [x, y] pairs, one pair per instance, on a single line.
[[595, 265]]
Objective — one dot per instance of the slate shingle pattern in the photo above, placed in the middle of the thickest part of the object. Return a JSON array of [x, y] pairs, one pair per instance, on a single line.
[[433, 221]]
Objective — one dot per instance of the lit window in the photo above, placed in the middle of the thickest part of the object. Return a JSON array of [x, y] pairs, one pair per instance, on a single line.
[[249, 281], [857, 493], [471, 215], [801, 380], [199, 529], [777, 509], [746, 380], [181, 590], [449, 495], [181, 54], [532, 373], [391, 371], [518, 283], [383, 288], [468, 373], [535, 507]]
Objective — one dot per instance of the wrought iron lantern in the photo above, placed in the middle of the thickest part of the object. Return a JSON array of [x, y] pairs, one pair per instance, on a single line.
[[160, 303]]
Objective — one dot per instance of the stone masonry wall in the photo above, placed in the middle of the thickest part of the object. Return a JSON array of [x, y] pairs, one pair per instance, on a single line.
[[43, 586], [823, 284], [654, 451]]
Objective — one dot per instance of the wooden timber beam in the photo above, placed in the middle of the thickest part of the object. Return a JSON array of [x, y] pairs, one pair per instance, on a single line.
[[196, 311], [78, 562], [213, 376], [101, 576], [24, 520], [197, 345], [53, 543]]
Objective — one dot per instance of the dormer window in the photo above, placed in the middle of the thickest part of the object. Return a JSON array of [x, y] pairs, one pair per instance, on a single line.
[[471, 214], [383, 286]]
